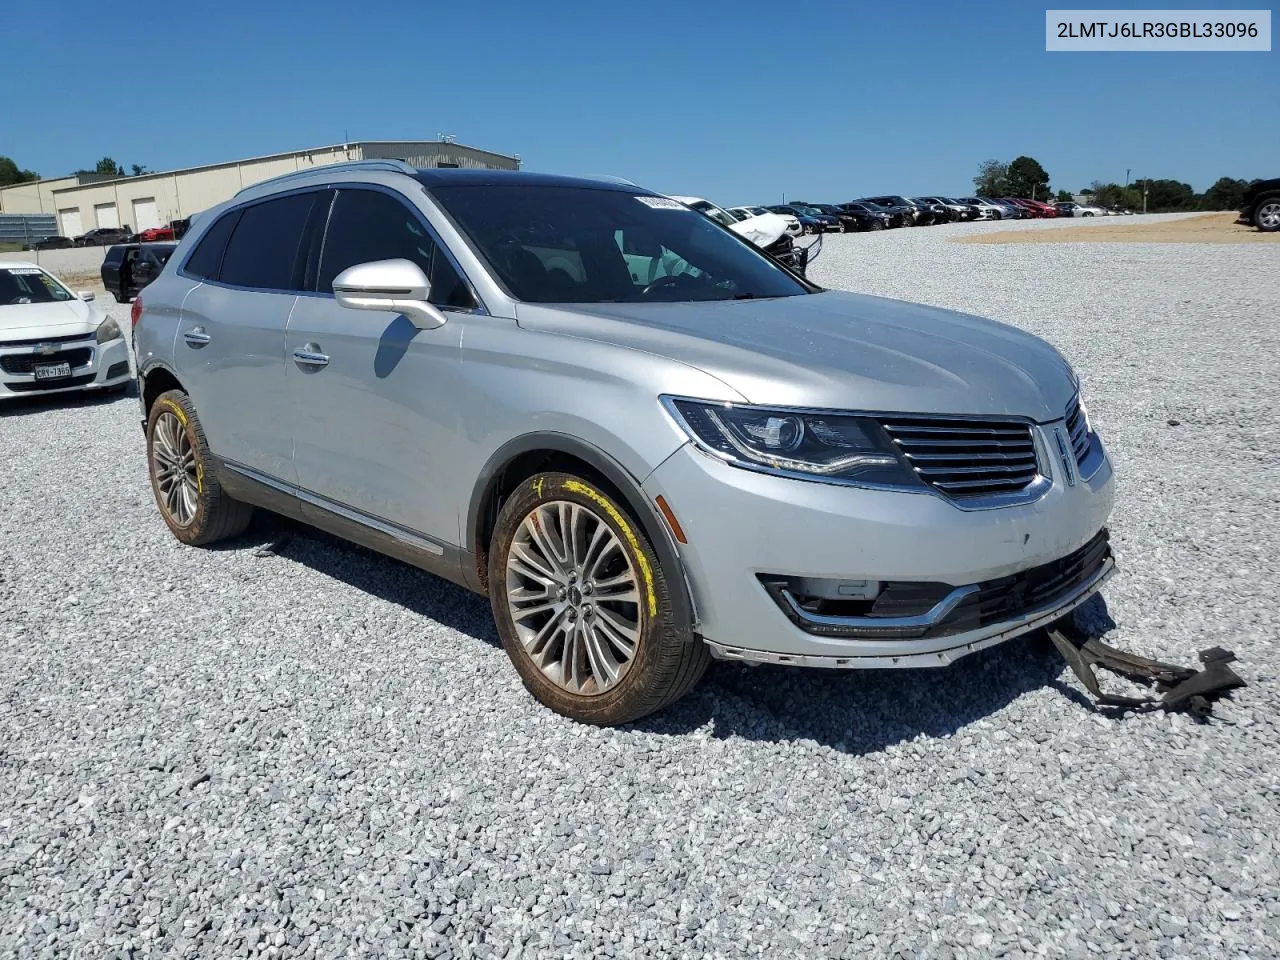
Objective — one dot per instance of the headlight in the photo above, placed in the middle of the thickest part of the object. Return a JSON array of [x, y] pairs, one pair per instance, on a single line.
[[820, 446], [108, 330]]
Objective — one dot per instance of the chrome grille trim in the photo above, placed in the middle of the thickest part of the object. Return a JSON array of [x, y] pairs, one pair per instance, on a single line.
[[967, 458], [1077, 429]]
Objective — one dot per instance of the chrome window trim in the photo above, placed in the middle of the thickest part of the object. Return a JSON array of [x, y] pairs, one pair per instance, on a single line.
[[324, 185]]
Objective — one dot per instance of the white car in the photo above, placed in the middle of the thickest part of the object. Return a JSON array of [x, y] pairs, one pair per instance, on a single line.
[[53, 340], [761, 229], [794, 227]]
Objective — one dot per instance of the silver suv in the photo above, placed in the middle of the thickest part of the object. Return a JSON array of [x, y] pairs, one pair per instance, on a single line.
[[644, 440]]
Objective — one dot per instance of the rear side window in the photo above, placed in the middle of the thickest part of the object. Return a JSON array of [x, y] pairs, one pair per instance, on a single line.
[[367, 225], [263, 251], [206, 260]]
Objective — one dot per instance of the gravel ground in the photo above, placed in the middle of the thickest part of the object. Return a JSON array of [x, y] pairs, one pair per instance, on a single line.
[[321, 753]]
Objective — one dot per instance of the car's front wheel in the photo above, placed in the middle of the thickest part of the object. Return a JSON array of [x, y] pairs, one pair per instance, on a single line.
[[583, 605], [1267, 217], [186, 488]]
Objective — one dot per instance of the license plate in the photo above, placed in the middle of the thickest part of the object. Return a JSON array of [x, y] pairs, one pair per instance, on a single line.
[[52, 371]]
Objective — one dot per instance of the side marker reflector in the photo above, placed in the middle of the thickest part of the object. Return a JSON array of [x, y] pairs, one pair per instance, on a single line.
[[672, 522]]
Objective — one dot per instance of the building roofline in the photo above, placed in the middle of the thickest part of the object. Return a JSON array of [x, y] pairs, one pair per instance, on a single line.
[[155, 174]]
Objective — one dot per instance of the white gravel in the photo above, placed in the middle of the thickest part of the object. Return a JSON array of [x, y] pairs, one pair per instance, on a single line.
[[325, 753]]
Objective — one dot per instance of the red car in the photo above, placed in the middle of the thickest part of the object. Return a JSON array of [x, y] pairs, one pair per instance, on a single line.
[[1033, 207], [156, 233]]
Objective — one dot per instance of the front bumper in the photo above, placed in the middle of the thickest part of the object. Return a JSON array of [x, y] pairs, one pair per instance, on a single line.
[[93, 365], [745, 530]]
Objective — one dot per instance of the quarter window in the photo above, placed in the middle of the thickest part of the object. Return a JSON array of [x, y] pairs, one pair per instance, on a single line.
[[206, 260], [367, 225], [263, 251]]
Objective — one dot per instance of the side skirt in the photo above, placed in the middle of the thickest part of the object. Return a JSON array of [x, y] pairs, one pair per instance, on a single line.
[[250, 487]]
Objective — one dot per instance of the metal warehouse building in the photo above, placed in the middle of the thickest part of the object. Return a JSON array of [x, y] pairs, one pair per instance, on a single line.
[[84, 201]]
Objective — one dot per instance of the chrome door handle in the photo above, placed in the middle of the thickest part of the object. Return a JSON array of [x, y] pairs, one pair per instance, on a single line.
[[196, 337], [310, 356]]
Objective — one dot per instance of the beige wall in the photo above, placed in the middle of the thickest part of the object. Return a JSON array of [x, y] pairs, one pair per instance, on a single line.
[[32, 197]]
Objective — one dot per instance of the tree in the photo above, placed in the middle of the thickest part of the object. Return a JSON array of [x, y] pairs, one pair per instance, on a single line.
[[109, 167], [138, 169], [992, 179], [10, 174], [1028, 179], [1225, 194], [1064, 196]]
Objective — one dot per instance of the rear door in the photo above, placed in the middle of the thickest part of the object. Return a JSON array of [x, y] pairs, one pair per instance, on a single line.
[[375, 400], [230, 346], [111, 264]]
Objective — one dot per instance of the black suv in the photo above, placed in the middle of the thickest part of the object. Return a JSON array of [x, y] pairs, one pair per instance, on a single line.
[[129, 267], [1262, 205]]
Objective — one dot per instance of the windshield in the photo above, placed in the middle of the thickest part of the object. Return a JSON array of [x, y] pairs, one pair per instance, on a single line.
[[553, 244], [20, 285]]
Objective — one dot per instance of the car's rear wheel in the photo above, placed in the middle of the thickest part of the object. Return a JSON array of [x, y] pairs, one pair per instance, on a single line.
[[583, 606], [186, 487], [876, 225], [1267, 217]]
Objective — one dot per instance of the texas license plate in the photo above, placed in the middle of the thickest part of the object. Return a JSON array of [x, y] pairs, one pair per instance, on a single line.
[[52, 371]]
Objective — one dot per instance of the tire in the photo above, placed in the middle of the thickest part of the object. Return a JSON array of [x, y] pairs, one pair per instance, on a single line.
[[1266, 215], [876, 225], [570, 646], [190, 499]]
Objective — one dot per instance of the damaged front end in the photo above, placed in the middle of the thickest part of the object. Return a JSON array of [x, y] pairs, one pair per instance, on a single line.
[[792, 255]]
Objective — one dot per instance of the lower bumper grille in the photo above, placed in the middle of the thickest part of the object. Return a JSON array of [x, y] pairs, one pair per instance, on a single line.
[[30, 386], [26, 362], [911, 610]]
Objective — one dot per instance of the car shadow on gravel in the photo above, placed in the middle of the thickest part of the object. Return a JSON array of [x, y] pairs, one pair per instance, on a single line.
[[387, 579], [856, 711], [20, 406], [865, 711]]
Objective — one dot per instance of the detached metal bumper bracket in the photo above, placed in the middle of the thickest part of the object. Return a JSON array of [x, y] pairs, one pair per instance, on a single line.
[[1181, 688]]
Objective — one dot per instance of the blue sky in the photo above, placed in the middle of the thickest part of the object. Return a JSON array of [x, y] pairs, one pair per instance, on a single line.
[[737, 101]]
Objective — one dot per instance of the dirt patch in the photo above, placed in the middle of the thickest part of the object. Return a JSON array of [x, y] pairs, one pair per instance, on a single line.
[[1211, 228]]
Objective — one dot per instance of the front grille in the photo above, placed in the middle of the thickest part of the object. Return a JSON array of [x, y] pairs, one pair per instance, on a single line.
[[1077, 429], [26, 362], [999, 600], [967, 458]]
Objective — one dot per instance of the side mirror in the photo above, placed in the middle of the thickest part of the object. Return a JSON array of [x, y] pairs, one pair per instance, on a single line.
[[85, 295], [392, 286]]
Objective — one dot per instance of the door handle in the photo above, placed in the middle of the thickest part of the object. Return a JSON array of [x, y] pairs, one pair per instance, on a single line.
[[196, 337], [310, 356]]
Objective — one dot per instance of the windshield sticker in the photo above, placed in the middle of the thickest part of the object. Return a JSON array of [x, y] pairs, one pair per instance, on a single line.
[[662, 203], [25, 271]]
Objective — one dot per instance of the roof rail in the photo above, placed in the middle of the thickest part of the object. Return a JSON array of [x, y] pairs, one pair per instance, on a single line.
[[395, 166]]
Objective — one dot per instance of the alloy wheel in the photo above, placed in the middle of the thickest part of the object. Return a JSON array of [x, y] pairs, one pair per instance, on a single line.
[[173, 463], [574, 597], [1269, 215]]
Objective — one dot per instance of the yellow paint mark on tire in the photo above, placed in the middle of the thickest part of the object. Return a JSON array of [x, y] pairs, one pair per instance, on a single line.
[[575, 486], [178, 412], [537, 486]]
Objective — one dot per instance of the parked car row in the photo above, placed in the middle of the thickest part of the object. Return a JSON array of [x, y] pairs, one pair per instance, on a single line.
[[106, 236], [891, 210]]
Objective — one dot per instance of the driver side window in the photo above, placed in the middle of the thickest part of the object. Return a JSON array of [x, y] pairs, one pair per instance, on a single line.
[[367, 225]]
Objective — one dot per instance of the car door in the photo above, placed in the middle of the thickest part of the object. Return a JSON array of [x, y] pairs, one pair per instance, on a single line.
[[375, 400], [230, 345]]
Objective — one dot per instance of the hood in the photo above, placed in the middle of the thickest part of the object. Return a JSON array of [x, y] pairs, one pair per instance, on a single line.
[[62, 318], [762, 229], [838, 351]]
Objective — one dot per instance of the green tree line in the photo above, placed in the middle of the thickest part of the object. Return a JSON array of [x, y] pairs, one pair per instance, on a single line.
[[1025, 177], [11, 173]]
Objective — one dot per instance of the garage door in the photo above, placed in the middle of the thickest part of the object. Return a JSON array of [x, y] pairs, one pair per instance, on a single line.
[[145, 214], [72, 226], [106, 214]]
